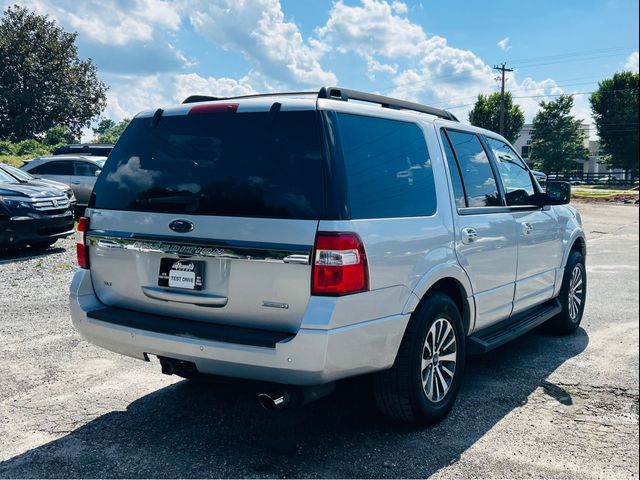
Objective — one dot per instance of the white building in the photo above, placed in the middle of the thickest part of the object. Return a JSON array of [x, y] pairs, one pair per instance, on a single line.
[[523, 143], [591, 165]]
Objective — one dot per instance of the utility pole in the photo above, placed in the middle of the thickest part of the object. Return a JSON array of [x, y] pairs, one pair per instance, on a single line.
[[502, 69]]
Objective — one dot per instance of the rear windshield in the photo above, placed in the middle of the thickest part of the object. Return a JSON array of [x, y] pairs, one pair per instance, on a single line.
[[230, 164]]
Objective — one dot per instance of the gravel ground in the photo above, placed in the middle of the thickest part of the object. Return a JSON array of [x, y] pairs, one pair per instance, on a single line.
[[542, 406]]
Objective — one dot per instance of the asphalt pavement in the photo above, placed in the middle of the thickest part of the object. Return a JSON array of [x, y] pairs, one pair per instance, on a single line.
[[542, 406]]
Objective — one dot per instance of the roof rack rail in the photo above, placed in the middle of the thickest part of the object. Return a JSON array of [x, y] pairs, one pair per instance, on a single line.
[[345, 94], [205, 98]]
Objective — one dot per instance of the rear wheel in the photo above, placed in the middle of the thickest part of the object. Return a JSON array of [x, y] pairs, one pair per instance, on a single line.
[[573, 295], [424, 381]]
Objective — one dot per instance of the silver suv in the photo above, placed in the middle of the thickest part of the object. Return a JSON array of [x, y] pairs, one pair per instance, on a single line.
[[301, 239]]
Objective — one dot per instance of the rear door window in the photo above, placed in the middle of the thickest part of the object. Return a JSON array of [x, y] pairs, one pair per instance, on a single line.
[[388, 167], [477, 175], [57, 167], [229, 164]]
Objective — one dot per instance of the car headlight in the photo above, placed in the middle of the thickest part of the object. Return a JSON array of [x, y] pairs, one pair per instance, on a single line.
[[15, 203]]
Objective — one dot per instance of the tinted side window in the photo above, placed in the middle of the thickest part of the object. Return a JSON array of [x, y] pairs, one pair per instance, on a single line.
[[84, 169], [477, 175], [456, 181], [54, 168], [515, 175], [388, 168]]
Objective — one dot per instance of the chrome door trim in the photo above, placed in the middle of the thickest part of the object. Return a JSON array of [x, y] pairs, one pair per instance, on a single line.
[[201, 247]]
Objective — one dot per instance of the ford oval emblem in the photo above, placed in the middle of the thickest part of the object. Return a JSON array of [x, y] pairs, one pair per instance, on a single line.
[[181, 226]]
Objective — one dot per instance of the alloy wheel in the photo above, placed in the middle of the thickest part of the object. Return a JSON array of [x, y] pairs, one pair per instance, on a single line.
[[576, 292], [439, 357]]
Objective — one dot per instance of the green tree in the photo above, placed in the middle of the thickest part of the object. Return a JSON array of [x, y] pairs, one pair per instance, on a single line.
[[486, 114], [57, 135], [43, 83], [112, 134], [103, 125], [615, 111], [557, 139]]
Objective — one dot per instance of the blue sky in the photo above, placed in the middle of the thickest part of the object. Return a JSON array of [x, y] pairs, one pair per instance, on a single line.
[[154, 52]]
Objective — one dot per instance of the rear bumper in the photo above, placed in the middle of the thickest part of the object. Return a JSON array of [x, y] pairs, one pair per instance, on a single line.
[[310, 357], [18, 230]]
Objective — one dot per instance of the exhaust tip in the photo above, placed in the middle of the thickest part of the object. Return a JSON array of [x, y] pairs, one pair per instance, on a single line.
[[274, 401]]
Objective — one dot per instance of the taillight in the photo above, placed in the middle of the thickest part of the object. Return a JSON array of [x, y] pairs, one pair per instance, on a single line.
[[81, 242], [340, 264], [214, 108]]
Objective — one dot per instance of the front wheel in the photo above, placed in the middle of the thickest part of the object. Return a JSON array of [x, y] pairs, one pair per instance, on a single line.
[[573, 295], [424, 381]]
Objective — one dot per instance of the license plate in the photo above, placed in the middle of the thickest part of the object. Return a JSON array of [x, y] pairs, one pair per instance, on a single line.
[[186, 274]]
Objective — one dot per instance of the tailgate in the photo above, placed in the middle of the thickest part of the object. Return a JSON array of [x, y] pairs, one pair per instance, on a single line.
[[253, 272]]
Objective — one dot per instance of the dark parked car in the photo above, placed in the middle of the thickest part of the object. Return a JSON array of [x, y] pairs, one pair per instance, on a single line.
[[32, 214], [25, 177], [85, 149]]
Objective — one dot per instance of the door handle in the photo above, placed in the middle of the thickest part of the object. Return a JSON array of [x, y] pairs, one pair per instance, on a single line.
[[76, 183], [203, 300], [469, 235], [526, 228]]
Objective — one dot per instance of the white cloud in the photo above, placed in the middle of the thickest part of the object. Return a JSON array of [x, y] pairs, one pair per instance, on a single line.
[[504, 44], [131, 94], [373, 28], [194, 84], [110, 21], [426, 68], [257, 28], [121, 36], [632, 62], [374, 66]]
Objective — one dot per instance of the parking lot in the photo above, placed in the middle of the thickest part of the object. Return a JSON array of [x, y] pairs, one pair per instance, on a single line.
[[542, 406]]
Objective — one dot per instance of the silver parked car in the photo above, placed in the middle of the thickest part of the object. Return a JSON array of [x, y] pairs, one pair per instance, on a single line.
[[303, 239], [78, 172]]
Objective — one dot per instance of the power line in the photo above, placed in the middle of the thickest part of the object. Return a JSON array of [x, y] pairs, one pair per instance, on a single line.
[[553, 95], [567, 55]]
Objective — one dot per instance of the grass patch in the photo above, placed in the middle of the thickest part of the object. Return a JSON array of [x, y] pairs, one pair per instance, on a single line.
[[15, 160], [602, 193]]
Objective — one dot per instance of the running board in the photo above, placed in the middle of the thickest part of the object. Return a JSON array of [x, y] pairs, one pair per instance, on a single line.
[[497, 335]]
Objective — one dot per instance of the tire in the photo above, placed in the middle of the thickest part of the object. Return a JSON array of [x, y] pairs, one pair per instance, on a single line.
[[400, 392], [574, 283]]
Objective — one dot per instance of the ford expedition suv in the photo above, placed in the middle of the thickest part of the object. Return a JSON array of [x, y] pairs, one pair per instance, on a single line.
[[300, 239]]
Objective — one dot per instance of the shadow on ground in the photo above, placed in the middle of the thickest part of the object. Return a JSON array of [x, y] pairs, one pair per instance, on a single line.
[[21, 254], [203, 430]]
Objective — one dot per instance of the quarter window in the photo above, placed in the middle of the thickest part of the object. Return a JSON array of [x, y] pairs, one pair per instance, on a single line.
[[388, 167], [85, 169], [477, 175], [515, 175]]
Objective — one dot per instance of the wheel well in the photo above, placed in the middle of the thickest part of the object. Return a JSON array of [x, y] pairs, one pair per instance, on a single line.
[[580, 246], [453, 288]]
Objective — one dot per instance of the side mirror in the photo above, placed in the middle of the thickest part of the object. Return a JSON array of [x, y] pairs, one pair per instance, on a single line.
[[558, 193], [97, 172]]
